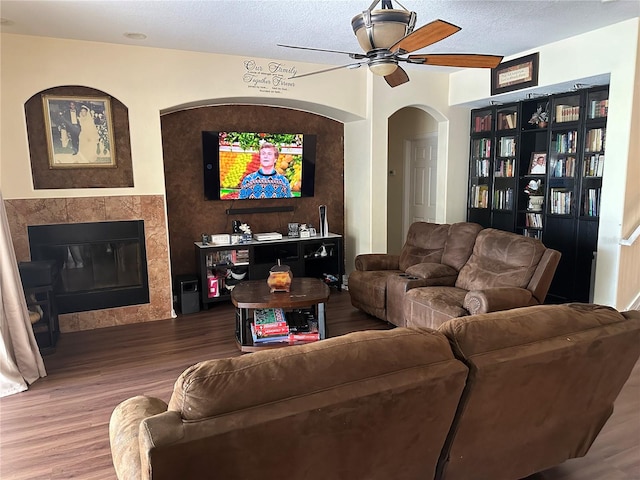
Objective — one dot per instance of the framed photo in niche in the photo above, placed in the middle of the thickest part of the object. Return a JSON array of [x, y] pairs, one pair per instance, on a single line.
[[79, 131], [515, 74], [538, 164]]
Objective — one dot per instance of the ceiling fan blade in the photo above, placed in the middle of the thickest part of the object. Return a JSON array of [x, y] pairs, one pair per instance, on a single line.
[[357, 56], [351, 65], [426, 35], [458, 60], [398, 77]]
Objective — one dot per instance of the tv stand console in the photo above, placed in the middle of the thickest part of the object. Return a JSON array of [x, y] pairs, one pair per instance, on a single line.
[[221, 267]]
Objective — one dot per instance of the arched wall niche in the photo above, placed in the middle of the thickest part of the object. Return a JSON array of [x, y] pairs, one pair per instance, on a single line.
[[45, 177], [190, 215], [300, 105]]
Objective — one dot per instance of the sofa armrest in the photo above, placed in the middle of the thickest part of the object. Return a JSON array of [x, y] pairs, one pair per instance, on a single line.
[[496, 299], [377, 261], [434, 274], [124, 426]]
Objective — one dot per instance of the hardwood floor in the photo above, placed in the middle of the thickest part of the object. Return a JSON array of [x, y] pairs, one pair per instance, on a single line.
[[58, 429]]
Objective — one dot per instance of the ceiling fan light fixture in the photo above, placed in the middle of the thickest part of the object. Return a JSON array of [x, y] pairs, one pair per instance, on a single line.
[[382, 28], [383, 68]]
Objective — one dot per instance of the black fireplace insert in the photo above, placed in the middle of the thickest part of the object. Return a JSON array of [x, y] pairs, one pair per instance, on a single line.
[[100, 264]]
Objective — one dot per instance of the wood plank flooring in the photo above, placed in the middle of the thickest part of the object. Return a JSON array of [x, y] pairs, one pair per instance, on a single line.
[[58, 429]]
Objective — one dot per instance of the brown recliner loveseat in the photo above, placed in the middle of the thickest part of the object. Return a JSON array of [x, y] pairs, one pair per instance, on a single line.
[[448, 271]]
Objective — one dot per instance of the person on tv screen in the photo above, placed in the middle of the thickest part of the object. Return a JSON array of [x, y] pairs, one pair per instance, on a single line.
[[266, 182]]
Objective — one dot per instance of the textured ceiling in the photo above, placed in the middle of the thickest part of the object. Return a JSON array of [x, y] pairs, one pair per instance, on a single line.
[[254, 27]]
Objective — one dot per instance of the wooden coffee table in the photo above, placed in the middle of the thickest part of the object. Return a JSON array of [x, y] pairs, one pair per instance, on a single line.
[[251, 294]]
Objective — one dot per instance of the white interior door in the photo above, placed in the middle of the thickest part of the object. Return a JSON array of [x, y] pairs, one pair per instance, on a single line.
[[420, 181]]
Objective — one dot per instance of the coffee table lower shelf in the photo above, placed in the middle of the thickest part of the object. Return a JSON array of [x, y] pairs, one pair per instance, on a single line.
[[305, 293]]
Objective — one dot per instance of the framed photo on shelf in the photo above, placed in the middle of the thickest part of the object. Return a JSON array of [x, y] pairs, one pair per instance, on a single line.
[[538, 164], [515, 74], [79, 132]]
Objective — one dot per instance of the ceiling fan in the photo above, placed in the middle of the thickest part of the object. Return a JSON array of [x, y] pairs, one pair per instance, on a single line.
[[387, 36]]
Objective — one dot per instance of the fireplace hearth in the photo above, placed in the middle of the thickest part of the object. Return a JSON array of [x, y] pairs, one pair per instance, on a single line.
[[100, 264]]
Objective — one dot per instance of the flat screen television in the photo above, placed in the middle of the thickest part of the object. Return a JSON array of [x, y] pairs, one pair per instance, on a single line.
[[251, 165]]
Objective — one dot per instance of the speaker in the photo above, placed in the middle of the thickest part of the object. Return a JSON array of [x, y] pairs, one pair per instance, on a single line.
[[324, 223], [187, 293]]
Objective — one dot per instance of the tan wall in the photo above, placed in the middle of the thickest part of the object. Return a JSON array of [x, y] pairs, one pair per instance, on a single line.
[[629, 275]]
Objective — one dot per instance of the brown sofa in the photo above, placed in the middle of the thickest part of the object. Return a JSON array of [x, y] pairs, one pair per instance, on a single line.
[[433, 254], [447, 271], [497, 396]]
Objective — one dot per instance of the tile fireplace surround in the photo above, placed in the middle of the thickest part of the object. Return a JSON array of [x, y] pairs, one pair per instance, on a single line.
[[24, 212]]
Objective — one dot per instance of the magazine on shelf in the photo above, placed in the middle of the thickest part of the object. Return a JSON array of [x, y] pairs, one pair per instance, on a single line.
[[263, 316]]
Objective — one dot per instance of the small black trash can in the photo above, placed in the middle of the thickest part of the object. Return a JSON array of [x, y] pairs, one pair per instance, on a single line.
[[185, 288]]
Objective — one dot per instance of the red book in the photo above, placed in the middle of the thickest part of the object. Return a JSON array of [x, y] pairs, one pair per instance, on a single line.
[[304, 337], [271, 329]]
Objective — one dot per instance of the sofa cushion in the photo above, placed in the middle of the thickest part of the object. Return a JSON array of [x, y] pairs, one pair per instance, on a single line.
[[460, 242], [425, 244], [217, 387], [500, 259], [434, 273]]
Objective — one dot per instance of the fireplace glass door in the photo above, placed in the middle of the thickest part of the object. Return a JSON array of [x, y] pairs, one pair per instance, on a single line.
[[100, 265]]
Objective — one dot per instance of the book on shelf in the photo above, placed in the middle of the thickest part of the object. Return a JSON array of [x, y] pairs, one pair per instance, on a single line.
[[563, 167], [482, 148], [506, 121], [591, 207], [240, 257], [507, 146], [503, 199], [567, 113], [482, 167], [533, 220], [595, 140], [482, 123], [567, 142], [593, 165], [505, 168], [267, 338], [271, 329], [561, 201], [480, 196], [304, 337], [598, 108]]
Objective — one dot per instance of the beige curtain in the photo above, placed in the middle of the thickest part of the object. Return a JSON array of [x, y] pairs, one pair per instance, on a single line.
[[20, 360]]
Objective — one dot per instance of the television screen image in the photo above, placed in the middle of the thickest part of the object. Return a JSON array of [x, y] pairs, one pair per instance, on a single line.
[[249, 165]]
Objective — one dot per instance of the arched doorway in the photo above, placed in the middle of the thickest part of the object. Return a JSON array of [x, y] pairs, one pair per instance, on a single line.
[[412, 156]]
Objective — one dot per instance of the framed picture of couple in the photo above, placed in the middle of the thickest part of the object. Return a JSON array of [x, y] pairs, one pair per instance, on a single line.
[[79, 132], [538, 164]]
